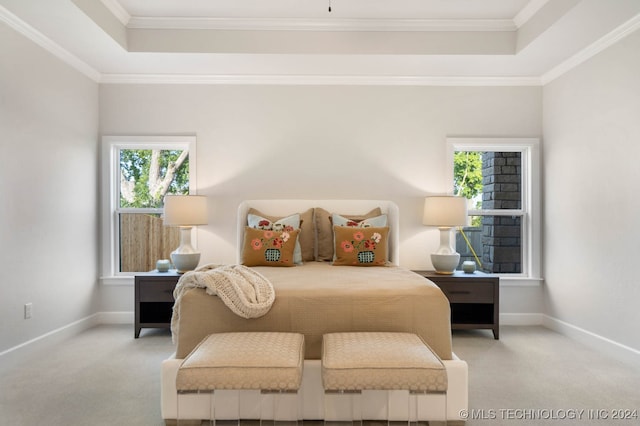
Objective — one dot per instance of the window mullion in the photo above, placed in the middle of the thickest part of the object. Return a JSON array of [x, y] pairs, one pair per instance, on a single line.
[[504, 212], [139, 210]]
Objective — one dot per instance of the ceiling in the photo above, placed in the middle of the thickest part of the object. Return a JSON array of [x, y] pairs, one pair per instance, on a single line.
[[421, 42], [359, 9]]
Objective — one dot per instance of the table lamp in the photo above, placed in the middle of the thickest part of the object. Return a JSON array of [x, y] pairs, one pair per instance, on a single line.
[[185, 211], [445, 212]]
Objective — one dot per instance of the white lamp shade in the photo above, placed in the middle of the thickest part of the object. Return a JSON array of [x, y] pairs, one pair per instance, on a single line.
[[185, 210], [445, 211]]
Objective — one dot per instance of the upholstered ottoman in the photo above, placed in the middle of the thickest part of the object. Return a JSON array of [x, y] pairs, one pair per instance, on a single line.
[[266, 361], [353, 362]]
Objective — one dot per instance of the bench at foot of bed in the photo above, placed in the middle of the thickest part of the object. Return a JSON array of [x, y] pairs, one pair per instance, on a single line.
[[310, 396]]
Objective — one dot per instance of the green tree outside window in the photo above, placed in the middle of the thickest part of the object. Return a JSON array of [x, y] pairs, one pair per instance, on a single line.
[[467, 170], [147, 175]]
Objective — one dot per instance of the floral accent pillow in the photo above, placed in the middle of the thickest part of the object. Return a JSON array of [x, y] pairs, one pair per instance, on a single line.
[[324, 229], [265, 247], [361, 246], [286, 223], [307, 235]]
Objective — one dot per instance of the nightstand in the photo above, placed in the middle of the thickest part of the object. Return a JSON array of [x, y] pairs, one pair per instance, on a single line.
[[474, 299], [154, 299]]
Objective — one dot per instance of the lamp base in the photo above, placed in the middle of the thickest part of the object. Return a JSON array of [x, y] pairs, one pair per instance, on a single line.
[[445, 263], [184, 262]]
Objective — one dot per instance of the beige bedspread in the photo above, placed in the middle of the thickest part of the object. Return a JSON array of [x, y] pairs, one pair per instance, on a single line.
[[319, 298]]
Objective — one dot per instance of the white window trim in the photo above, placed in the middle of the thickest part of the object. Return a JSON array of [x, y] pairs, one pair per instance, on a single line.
[[110, 196], [531, 200]]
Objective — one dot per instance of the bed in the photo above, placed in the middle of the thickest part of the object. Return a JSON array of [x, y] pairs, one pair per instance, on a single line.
[[313, 297]]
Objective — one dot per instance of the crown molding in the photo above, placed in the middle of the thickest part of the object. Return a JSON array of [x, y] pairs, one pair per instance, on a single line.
[[528, 12], [117, 10], [291, 80], [321, 24], [49, 45], [325, 24], [593, 49], [40, 39]]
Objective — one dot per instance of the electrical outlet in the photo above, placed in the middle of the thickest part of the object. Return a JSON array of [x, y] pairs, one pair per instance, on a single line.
[[28, 308]]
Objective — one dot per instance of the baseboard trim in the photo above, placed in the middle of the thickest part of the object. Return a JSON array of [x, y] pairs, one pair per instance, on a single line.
[[64, 332], [53, 336], [521, 319], [600, 343], [617, 350], [116, 317]]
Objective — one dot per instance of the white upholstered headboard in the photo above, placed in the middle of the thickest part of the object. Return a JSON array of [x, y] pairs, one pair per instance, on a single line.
[[355, 207]]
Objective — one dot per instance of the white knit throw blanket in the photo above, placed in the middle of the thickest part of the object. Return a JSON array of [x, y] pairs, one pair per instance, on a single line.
[[246, 292]]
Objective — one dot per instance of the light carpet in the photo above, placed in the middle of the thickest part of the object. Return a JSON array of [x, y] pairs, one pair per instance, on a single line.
[[531, 376]]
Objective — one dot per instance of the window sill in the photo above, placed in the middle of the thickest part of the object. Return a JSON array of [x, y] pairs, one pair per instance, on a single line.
[[506, 281], [126, 280]]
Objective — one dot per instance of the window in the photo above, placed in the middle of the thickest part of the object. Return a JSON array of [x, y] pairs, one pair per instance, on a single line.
[[500, 179], [137, 173]]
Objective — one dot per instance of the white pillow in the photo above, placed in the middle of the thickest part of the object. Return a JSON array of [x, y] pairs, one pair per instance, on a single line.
[[375, 222]]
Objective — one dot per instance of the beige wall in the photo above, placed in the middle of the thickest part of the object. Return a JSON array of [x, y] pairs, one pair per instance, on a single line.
[[322, 142], [592, 170], [48, 188]]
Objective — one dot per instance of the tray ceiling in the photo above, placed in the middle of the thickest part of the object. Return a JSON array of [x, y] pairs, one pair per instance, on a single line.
[[437, 42]]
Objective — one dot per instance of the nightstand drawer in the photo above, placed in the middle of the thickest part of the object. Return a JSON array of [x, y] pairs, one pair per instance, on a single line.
[[474, 299], [460, 292], [156, 292]]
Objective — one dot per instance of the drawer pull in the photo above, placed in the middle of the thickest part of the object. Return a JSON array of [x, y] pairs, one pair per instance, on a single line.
[[460, 292]]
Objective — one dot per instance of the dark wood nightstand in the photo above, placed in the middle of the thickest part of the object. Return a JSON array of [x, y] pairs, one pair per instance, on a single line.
[[154, 299], [474, 299]]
